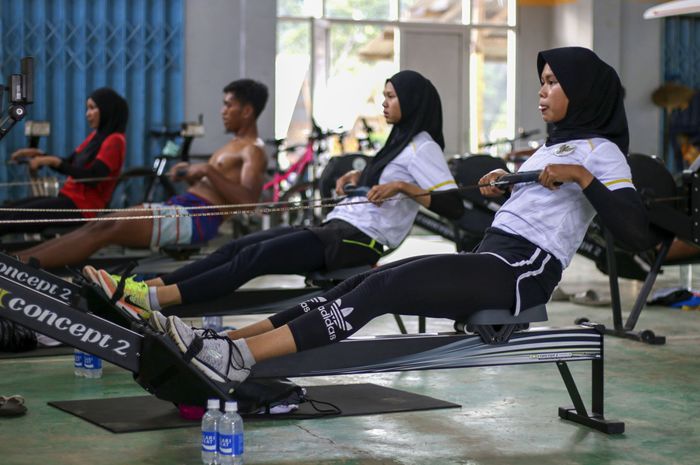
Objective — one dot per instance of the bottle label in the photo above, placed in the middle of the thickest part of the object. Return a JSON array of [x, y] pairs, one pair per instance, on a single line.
[[226, 444], [92, 362], [78, 359], [238, 444], [209, 441]]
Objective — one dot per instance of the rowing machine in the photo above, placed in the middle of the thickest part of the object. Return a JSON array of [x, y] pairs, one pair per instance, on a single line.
[[673, 212], [159, 366]]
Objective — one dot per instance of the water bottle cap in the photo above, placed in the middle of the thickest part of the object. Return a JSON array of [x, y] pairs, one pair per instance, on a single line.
[[213, 404], [231, 406]]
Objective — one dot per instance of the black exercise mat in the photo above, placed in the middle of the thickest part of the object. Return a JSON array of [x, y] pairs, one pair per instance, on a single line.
[[39, 352], [143, 413]]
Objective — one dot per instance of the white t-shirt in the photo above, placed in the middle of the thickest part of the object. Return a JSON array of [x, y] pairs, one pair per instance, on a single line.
[[421, 163], [557, 220]]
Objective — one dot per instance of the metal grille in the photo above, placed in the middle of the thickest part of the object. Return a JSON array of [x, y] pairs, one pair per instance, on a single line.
[[133, 46]]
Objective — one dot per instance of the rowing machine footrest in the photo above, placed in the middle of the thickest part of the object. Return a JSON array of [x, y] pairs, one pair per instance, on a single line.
[[182, 251], [496, 326], [164, 373], [99, 304], [331, 278]]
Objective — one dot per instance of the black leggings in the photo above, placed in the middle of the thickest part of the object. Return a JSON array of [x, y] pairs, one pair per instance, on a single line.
[[438, 286], [60, 202], [282, 250]]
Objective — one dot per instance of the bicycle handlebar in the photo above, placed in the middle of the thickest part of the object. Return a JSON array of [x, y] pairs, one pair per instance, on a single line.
[[522, 135], [164, 132]]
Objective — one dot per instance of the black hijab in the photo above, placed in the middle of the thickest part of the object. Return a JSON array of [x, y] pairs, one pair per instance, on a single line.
[[114, 114], [421, 110], [595, 95]]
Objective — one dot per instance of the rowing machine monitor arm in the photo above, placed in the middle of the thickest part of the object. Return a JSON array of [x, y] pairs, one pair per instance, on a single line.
[[21, 93]]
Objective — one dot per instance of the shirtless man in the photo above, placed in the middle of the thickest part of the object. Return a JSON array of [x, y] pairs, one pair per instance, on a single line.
[[233, 174]]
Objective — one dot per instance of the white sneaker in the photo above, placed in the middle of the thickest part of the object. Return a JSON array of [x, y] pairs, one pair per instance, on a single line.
[[158, 322], [218, 357]]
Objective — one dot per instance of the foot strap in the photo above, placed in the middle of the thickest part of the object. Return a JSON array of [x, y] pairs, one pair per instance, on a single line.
[[194, 348], [119, 292]]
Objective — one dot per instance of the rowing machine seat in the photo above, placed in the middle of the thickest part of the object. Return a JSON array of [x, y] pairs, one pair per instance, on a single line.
[[182, 251], [325, 279], [495, 326]]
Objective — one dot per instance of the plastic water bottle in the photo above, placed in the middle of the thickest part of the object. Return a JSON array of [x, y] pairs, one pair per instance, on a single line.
[[231, 436], [210, 425], [78, 367], [213, 322], [93, 366]]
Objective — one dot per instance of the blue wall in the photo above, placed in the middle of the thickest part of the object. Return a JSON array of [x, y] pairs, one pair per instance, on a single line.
[[133, 46], [682, 50], [681, 63]]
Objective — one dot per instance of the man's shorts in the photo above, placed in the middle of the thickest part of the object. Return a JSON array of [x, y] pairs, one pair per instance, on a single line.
[[180, 223]]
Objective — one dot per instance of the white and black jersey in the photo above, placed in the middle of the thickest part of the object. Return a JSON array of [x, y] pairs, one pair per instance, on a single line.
[[557, 220], [421, 163]]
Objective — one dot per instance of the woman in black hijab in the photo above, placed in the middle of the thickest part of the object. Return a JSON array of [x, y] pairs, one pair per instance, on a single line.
[[421, 110], [595, 97], [100, 155], [520, 260]]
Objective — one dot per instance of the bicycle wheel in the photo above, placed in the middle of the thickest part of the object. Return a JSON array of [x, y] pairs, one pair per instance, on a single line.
[[299, 194]]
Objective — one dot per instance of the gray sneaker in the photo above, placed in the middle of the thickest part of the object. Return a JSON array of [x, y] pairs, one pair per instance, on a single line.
[[158, 322], [218, 357]]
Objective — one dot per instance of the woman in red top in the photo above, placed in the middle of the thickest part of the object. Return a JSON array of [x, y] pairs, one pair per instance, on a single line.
[[101, 155]]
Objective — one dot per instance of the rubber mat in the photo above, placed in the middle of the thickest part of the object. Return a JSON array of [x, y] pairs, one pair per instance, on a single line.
[[143, 413]]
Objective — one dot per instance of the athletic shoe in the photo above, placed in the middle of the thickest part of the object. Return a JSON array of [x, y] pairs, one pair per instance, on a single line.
[[158, 322], [218, 357], [91, 274], [134, 300]]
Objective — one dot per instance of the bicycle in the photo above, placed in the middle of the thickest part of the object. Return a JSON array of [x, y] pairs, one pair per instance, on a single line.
[[514, 158], [367, 143], [156, 185], [298, 184]]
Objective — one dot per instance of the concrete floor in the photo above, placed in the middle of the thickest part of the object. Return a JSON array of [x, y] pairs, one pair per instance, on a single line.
[[508, 414]]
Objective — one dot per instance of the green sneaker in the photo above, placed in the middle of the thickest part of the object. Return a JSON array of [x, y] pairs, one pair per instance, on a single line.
[[135, 297], [94, 275], [132, 286]]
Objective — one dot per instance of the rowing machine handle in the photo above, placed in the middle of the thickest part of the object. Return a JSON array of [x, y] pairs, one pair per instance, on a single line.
[[351, 190], [24, 160], [519, 177]]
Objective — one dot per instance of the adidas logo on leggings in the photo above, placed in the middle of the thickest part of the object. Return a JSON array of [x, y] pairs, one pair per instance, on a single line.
[[305, 305], [335, 318]]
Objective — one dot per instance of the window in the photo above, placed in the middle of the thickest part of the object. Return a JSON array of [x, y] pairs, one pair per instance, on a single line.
[[440, 11], [488, 89], [359, 9], [293, 83], [333, 57]]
